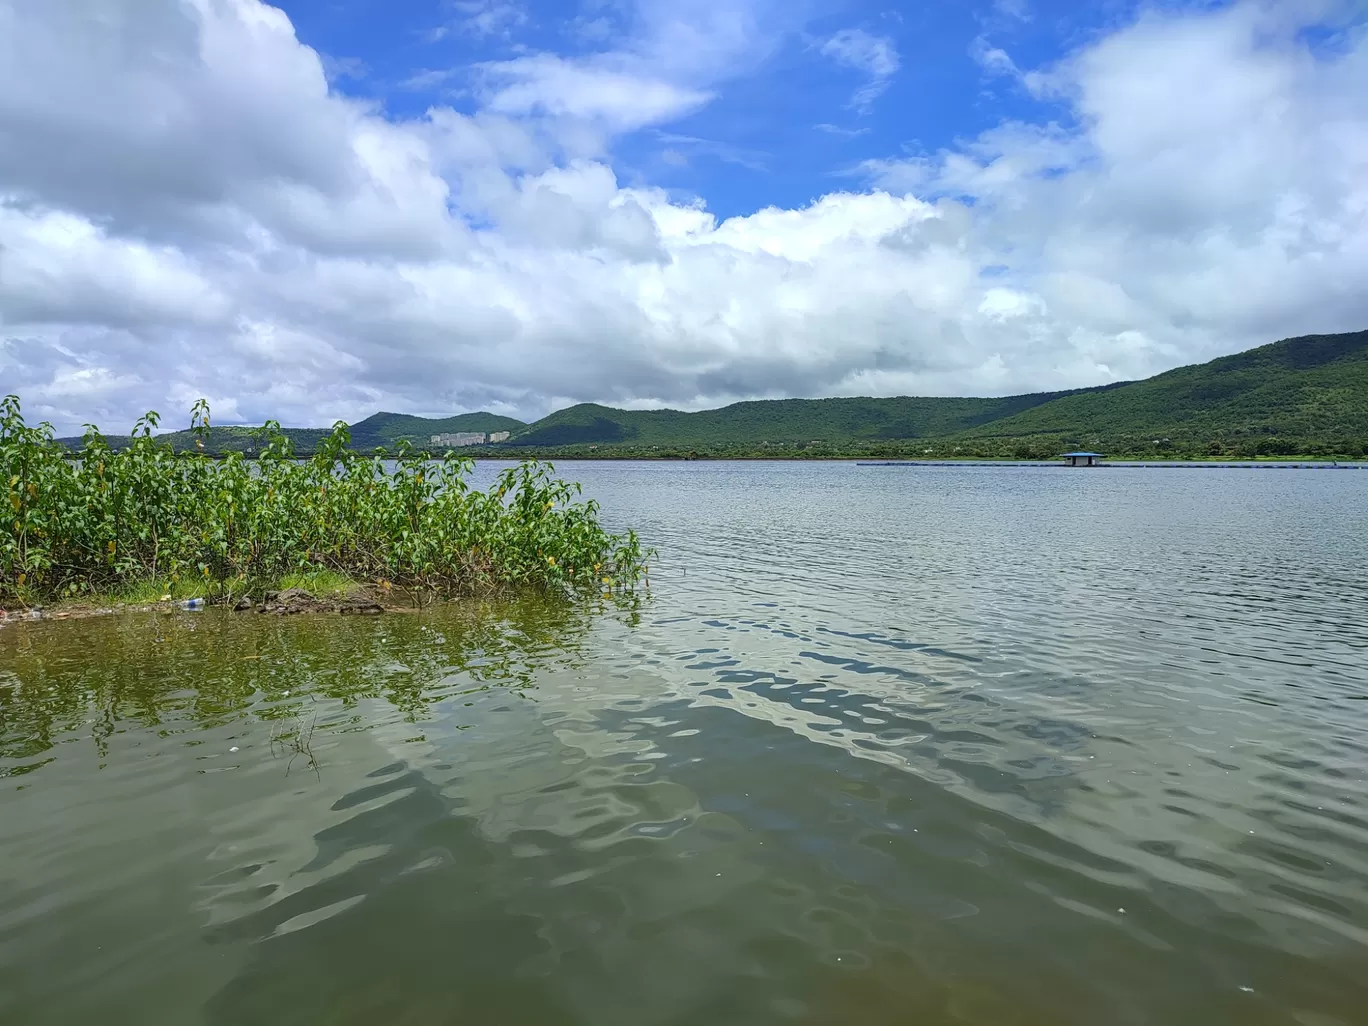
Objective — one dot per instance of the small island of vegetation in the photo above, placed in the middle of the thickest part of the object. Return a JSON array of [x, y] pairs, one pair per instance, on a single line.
[[147, 520]]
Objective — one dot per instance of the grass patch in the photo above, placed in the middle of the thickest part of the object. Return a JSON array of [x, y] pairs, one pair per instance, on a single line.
[[323, 583], [147, 521]]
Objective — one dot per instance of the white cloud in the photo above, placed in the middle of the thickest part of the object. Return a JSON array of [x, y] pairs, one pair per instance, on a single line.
[[490, 17], [752, 159], [479, 19], [874, 56], [428, 78], [1200, 205], [849, 133], [1019, 10], [622, 99], [992, 59], [60, 267], [664, 67], [186, 209]]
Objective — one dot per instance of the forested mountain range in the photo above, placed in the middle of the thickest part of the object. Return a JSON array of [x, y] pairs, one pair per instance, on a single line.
[[1299, 396]]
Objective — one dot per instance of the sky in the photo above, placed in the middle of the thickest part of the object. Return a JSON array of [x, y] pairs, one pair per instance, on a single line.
[[325, 208]]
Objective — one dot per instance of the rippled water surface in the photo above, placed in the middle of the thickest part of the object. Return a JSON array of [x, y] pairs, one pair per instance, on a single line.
[[886, 745]]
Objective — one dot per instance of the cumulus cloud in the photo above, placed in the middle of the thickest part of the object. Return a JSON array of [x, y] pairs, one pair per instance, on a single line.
[[187, 208], [874, 56]]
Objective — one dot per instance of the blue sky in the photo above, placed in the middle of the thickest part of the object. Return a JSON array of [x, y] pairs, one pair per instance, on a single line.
[[316, 209], [782, 126]]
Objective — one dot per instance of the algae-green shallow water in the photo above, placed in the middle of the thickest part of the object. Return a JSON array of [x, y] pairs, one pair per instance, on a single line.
[[980, 745]]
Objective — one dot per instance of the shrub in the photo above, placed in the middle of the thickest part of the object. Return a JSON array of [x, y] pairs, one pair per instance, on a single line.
[[101, 521]]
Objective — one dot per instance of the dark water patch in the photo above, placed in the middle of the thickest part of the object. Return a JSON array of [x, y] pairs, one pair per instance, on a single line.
[[899, 643]]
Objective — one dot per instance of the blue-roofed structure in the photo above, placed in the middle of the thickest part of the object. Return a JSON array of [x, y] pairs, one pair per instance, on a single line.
[[1081, 459]]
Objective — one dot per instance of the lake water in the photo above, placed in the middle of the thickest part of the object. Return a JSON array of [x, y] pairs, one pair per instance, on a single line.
[[976, 745]]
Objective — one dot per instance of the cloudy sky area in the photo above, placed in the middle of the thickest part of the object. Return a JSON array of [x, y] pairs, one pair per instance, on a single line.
[[324, 208]]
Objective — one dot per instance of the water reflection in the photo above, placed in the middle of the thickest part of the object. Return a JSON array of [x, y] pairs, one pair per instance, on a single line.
[[182, 673]]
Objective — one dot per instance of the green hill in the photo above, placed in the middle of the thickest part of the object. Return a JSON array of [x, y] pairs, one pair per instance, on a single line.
[[1300, 396], [1307, 390], [232, 438], [1303, 396], [380, 430], [389, 429], [774, 422]]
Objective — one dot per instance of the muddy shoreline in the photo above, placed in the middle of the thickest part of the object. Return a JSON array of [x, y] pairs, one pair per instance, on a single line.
[[287, 602]]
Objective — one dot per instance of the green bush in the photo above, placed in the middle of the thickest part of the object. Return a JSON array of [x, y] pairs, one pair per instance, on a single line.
[[105, 521]]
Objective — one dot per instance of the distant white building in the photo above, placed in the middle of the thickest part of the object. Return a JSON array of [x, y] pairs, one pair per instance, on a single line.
[[498, 436], [456, 439]]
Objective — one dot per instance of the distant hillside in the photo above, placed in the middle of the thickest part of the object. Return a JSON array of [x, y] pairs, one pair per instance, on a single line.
[[389, 429], [381, 430], [1302, 396], [220, 439], [1312, 387], [775, 421]]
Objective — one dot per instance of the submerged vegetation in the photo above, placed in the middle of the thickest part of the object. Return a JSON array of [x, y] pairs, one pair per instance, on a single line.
[[147, 517]]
